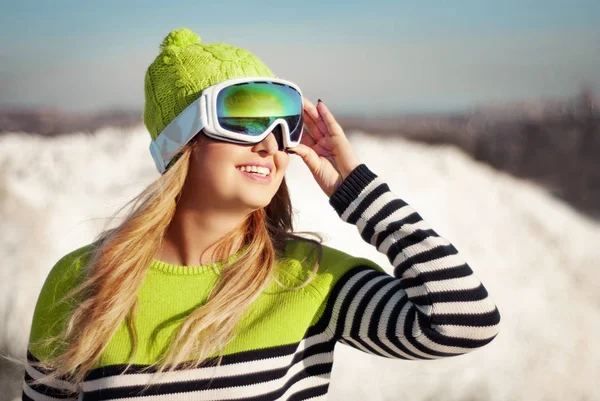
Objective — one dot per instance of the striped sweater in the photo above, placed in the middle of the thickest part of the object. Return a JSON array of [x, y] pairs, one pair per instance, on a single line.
[[432, 307]]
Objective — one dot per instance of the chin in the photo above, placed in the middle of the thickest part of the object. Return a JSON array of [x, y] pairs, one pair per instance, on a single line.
[[257, 203]]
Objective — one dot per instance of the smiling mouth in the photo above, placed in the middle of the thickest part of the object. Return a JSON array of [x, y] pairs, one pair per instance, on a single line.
[[259, 171]]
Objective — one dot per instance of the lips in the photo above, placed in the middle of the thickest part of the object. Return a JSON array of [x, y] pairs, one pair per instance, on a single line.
[[256, 177]]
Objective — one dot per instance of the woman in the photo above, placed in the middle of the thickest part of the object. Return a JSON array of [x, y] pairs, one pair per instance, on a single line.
[[205, 293]]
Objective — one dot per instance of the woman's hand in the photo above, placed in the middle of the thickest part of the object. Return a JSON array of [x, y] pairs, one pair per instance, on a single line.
[[324, 148]]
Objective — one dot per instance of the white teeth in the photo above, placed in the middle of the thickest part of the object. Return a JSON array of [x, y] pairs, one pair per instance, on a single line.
[[263, 171]]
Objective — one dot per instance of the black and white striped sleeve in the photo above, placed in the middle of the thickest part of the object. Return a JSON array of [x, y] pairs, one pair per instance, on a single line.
[[35, 388], [433, 306]]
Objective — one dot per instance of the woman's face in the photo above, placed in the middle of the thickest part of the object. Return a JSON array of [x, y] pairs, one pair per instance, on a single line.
[[215, 177]]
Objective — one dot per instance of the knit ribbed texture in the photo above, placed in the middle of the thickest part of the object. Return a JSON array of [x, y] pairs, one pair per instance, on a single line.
[[212, 268], [184, 67], [351, 187], [432, 307]]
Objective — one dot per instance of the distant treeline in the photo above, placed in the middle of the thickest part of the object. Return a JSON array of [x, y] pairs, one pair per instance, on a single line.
[[52, 122], [553, 142]]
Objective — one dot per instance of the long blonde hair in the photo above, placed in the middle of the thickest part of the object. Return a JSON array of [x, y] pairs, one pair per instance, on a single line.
[[118, 263]]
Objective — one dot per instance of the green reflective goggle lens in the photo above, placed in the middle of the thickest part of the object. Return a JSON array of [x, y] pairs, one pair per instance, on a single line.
[[250, 108]]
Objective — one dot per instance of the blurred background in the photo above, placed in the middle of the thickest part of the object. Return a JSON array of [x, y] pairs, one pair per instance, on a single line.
[[484, 116]]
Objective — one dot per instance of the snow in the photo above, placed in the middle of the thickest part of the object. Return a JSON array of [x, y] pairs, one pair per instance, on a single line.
[[538, 258]]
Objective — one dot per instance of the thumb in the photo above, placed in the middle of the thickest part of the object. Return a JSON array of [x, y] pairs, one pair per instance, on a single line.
[[309, 156]]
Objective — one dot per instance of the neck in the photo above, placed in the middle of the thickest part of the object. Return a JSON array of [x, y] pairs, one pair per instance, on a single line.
[[192, 235]]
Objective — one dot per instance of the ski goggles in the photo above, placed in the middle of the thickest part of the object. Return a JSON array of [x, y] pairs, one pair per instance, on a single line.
[[240, 110]]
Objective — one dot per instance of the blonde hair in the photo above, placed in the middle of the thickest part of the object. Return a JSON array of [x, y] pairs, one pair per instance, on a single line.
[[118, 263]]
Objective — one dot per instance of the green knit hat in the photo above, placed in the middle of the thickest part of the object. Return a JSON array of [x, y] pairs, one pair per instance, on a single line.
[[184, 67]]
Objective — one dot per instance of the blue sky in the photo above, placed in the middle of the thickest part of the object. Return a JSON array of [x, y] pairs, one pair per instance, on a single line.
[[362, 57]]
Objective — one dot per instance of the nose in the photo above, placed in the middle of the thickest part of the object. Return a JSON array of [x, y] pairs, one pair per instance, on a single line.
[[272, 143]]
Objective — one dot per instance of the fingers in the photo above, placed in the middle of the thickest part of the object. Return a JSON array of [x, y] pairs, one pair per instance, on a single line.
[[320, 120], [333, 128], [313, 120], [309, 141], [307, 138], [320, 147], [309, 156]]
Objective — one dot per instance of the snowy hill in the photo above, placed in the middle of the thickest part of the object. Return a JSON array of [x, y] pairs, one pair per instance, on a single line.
[[537, 257]]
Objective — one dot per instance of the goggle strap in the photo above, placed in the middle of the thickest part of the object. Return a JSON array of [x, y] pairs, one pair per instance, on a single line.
[[178, 133]]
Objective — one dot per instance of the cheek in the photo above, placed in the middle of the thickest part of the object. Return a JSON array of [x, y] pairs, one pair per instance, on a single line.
[[219, 157], [282, 161], [212, 167], [217, 154]]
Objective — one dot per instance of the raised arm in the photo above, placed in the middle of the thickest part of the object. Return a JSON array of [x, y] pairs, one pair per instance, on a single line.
[[433, 306]]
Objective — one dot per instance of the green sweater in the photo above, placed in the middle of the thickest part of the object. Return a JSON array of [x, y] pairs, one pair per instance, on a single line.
[[432, 307]]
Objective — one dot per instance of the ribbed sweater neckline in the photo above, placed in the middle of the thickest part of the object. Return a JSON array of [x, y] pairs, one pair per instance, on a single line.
[[181, 270]]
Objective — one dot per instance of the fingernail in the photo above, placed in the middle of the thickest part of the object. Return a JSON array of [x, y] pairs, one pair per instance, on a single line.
[[319, 101]]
